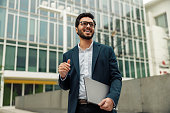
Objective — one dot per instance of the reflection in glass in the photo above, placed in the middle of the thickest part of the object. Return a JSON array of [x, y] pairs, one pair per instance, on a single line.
[[24, 5], [48, 88], [130, 48], [11, 3], [118, 25], [52, 61], [60, 40], [32, 61], [32, 30], [120, 66], [141, 49], [10, 58], [42, 60], [43, 32], [116, 7], [127, 11], [106, 39], [3, 2], [10, 26], [143, 69], [60, 58], [1, 55], [105, 22], [21, 59], [127, 68], [38, 88], [22, 33], [33, 2], [2, 19], [28, 89], [7, 94], [68, 36], [17, 91], [138, 69], [51, 30], [132, 69]]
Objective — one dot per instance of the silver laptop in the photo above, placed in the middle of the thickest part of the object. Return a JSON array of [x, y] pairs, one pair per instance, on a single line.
[[95, 91]]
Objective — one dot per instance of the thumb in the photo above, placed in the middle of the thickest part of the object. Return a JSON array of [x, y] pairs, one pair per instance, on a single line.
[[102, 102], [68, 61]]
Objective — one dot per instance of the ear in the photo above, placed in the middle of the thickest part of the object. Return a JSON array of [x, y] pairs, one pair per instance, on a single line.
[[76, 30]]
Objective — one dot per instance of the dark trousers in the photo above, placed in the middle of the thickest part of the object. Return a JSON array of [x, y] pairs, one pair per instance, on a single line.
[[89, 108]]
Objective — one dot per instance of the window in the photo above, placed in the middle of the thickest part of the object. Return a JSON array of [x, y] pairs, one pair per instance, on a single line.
[[143, 69], [161, 20], [17, 91], [10, 58], [132, 69], [138, 69], [52, 62], [1, 55], [11, 3], [32, 30], [2, 19], [7, 94], [137, 14], [43, 32], [48, 88], [21, 59], [129, 28], [116, 7], [91, 2], [119, 46], [120, 66], [98, 20], [105, 22], [118, 25], [10, 26], [105, 7], [148, 72], [28, 89], [130, 48], [127, 68], [42, 60], [22, 33], [111, 23], [106, 39], [99, 38], [3, 2], [146, 50], [139, 31], [141, 49], [38, 88], [60, 58], [142, 14], [68, 36], [32, 61], [33, 2], [51, 33], [127, 11], [24, 5], [60, 40]]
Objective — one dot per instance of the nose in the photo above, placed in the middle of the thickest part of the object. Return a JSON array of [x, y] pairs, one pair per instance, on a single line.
[[88, 25]]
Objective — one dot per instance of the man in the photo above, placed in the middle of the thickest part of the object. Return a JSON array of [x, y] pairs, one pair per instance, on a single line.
[[89, 59]]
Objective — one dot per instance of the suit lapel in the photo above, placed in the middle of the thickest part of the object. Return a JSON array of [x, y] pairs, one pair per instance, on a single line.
[[75, 57], [96, 49]]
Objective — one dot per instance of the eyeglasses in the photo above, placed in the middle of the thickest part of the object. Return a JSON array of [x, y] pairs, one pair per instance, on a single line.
[[84, 24]]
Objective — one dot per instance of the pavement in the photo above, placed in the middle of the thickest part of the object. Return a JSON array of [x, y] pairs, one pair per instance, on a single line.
[[13, 110]]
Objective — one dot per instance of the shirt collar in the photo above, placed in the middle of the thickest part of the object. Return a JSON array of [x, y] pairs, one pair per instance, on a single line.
[[91, 45]]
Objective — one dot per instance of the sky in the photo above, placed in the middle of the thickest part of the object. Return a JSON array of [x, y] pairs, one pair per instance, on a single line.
[[146, 1]]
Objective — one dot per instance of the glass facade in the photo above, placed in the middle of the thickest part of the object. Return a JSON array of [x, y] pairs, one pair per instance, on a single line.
[[31, 39]]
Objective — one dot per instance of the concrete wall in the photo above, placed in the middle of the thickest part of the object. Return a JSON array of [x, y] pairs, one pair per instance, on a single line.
[[50, 102], [146, 95]]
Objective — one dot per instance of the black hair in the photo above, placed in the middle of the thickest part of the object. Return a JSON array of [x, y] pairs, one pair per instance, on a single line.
[[84, 15]]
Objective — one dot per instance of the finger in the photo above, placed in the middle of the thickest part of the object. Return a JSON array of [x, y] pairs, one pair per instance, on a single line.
[[67, 69], [68, 61], [65, 63], [102, 102]]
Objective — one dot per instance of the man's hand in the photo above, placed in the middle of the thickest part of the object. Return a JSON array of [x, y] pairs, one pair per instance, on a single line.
[[106, 104], [64, 68]]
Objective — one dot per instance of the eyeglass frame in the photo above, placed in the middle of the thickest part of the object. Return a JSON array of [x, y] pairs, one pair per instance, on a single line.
[[87, 24]]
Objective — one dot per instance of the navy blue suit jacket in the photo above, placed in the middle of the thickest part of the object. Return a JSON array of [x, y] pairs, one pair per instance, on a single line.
[[104, 69]]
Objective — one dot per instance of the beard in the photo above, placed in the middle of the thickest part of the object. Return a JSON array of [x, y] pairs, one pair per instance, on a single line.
[[80, 33]]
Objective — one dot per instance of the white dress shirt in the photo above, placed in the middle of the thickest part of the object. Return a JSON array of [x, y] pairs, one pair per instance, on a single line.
[[85, 64]]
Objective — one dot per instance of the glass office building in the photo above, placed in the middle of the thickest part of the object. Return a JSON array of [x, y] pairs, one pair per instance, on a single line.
[[32, 43]]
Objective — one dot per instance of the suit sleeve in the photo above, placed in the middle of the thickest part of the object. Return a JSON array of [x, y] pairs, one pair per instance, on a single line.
[[115, 78], [64, 84]]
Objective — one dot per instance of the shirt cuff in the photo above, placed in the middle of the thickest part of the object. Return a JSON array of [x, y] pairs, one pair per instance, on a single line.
[[62, 79]]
